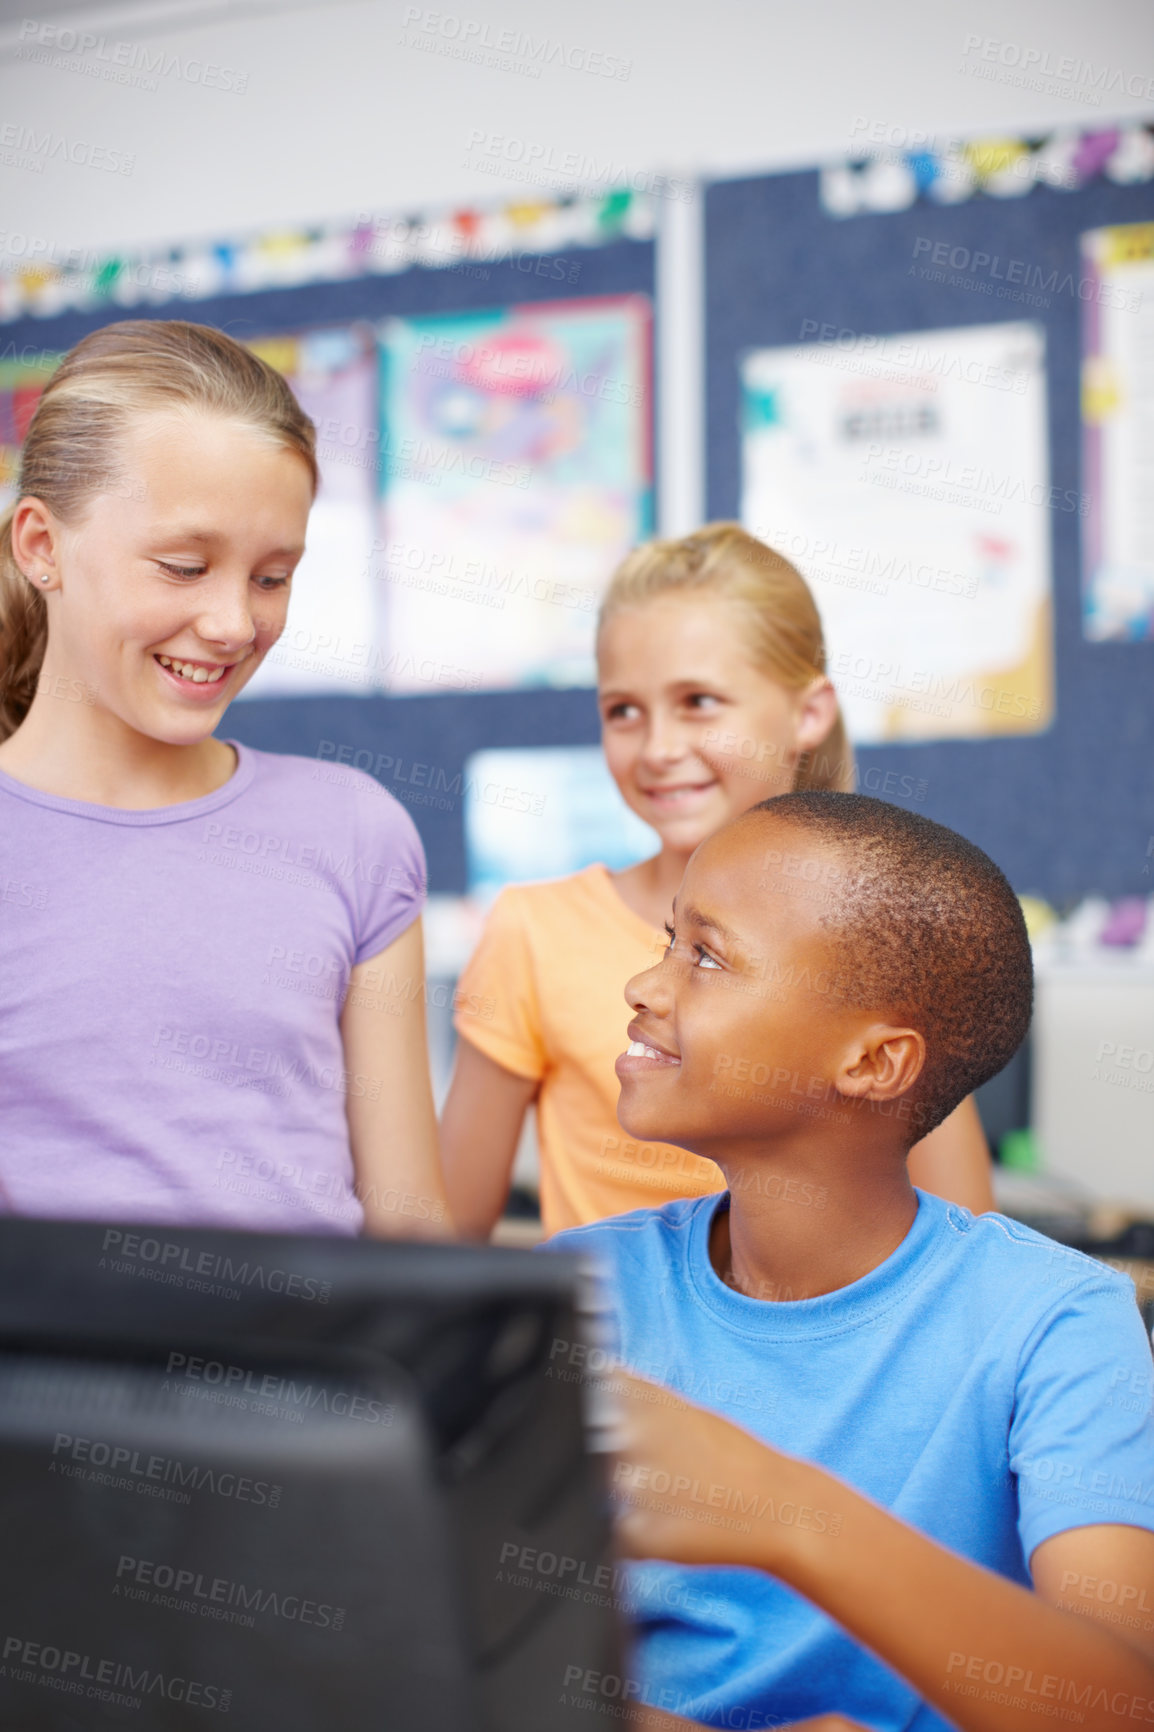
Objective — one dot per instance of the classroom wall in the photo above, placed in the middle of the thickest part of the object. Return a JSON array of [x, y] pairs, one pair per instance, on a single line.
[[342, 107], [333, 108]]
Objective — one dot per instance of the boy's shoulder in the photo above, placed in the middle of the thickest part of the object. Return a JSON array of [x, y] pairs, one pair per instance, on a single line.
[[989, 1263], [1032, 1262], [654, 1231]]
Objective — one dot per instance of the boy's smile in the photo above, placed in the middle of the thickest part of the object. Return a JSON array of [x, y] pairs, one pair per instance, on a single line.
[[715, 1005], [641, 1054], [747, 1048], [740, 1034]]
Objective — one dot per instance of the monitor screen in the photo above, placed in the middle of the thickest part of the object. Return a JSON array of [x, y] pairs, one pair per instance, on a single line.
[[301, 1482]]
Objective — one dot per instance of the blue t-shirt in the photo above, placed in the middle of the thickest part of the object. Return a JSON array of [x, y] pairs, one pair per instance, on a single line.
[[987, 1385]]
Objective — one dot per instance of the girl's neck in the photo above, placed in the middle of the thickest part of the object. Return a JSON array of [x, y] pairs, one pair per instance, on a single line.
[[649, 887], [94, 757]]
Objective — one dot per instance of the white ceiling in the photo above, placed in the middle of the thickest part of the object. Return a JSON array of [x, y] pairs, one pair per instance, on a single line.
[[342, 111]]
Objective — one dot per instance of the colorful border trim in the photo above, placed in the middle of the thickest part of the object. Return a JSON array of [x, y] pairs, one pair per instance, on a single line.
[[893, 180], [35, 282]]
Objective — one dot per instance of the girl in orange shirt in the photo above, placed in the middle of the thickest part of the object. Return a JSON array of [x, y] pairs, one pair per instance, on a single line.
[[713, 696]]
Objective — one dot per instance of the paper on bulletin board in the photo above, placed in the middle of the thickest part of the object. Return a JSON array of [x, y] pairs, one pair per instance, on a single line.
[[536, 812], [1118, 433], [21, 382], [517, 474], [907, 477], [331, 643]]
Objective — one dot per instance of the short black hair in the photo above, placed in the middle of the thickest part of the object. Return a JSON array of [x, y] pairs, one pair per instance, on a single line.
[[925, 927]]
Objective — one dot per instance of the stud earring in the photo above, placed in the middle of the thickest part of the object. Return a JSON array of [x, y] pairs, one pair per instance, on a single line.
[[45, 577]]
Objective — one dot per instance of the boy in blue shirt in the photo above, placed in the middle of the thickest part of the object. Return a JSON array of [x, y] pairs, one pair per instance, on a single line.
[[925, 1493]]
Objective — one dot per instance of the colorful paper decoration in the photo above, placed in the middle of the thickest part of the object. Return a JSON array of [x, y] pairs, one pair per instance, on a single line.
[[373, 244], [516, 468], [1116, 290], [23, 377], [998, 167]]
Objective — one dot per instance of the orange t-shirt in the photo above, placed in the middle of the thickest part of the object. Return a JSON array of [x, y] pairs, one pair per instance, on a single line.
[[550, 970]]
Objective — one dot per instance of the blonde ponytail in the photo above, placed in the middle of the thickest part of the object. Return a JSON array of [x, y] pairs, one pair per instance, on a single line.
[[784, 636], [23, 634], [72, 448]]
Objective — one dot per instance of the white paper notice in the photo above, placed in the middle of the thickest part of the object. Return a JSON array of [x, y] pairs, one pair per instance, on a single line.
[[1118, 432], [907, 477], [328, 644]]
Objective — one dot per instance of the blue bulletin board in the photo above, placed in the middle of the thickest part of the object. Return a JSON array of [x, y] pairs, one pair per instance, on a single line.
[[1068, 811]]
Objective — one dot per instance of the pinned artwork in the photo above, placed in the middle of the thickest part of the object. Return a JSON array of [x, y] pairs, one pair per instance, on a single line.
[[517, 467], [1118, 433], [330, 643], [907, 478]]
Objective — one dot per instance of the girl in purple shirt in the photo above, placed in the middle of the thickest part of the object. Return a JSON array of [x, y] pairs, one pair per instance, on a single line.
[[211, 964]]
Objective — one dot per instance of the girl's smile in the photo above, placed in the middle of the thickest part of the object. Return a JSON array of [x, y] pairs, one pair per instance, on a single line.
[[677, 793], [694, 732], [174, 597], [165, 597], [203, 682]]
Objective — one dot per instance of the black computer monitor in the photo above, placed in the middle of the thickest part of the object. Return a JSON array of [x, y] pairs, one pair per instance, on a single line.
[[301, 1484]]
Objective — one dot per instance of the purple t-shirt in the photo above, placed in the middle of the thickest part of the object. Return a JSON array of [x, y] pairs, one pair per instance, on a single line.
[[171, 983]]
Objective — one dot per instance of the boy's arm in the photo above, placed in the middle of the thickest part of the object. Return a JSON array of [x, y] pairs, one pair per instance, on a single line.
[[988, 1654]]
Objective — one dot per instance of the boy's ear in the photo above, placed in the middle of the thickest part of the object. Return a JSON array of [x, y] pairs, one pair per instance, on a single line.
[[884, 1062]]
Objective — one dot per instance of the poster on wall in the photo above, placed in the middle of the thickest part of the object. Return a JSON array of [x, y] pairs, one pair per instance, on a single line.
[[517, 473], [535, 812], [907, 477], [1118, 433], [22, 379], [330, 642]]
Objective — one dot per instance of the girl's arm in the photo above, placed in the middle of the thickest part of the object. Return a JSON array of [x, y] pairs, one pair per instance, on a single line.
[[480, 1129], [389, 1098], [954, 1162]]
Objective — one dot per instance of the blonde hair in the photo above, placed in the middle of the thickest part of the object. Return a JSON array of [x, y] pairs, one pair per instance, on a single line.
[[784, 638], [72, 449]]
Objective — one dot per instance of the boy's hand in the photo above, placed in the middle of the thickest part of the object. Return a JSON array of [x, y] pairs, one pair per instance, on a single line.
[[680, 1472], [695, 1489], [691, 1487], [643, 1719], [824, 1723]]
